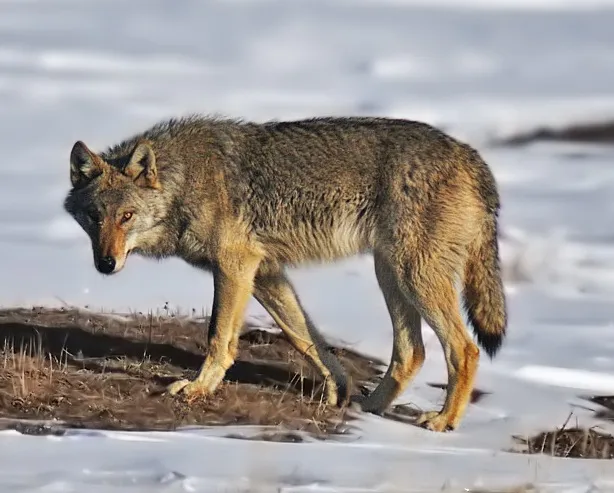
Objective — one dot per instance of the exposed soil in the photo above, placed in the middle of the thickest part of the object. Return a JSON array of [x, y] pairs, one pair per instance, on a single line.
[[109, 372], [600, 133]]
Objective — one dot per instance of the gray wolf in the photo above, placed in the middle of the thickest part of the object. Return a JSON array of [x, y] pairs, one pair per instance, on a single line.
[[247, 200]]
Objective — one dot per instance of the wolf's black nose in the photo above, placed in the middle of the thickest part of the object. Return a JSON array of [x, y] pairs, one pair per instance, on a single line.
[[106, 265]]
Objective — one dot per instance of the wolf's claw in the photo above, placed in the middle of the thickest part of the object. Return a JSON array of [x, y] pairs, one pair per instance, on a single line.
[[435, 421], [178, 386]]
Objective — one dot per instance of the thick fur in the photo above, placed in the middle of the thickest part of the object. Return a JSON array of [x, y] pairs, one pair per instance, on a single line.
[[246, 200]]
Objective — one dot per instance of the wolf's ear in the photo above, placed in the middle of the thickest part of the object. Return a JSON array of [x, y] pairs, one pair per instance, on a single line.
[[142, 166], [84, 164]]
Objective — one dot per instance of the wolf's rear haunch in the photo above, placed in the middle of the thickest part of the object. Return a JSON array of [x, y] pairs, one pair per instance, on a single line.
[[246, 200]]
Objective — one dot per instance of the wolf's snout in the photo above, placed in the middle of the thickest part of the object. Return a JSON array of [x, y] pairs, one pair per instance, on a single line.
[[106, 265]]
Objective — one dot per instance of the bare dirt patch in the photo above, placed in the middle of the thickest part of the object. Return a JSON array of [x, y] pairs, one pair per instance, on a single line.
[[598, 133], [109, 372]]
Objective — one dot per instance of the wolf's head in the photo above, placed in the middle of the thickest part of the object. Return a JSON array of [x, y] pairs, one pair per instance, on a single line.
[[118, 202]]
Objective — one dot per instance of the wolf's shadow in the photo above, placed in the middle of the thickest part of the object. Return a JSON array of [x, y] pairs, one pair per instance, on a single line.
[[90, 350]]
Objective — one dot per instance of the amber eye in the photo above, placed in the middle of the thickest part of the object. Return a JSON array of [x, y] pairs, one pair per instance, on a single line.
[[127, 216]]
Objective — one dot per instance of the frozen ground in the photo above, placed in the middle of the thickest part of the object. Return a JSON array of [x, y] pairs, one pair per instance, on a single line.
[[98, 71]]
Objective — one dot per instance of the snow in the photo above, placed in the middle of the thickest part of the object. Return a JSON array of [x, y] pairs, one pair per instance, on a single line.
[[98, 71]]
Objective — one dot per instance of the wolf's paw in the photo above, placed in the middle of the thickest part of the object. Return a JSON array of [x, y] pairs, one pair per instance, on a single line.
[[356, 402], [366, 404], [435, 421], [335, 394], [177, 386], [189, 388]]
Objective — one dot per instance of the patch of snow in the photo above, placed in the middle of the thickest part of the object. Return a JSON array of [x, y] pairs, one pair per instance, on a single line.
[[565, 377], [100, 71]]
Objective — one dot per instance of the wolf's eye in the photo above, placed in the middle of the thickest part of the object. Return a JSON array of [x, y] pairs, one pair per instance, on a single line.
[[93, 215], [127, 216]]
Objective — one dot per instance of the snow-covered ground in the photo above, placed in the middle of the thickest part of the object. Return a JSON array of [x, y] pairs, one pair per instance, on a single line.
[[98, 71]]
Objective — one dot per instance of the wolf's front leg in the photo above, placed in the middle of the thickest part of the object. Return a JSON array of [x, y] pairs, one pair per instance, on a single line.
[[233, 284]]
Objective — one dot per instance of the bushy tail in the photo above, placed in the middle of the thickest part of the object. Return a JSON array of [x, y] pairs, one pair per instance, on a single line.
[[483, 291]]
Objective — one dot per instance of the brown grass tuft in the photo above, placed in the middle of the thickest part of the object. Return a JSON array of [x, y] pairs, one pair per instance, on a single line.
[[109, 372], [574, 442]]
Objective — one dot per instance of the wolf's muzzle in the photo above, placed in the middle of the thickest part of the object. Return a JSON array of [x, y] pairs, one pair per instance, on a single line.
[[106, 265]]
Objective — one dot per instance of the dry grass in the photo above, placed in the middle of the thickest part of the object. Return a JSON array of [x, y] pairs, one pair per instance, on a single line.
[[528, 488], [573, 442], [109, 372]]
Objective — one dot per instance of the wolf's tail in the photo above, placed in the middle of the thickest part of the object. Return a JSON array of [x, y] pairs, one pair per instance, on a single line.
[[483, 290]]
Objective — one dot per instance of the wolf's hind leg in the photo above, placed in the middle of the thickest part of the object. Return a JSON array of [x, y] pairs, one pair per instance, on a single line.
[[275, 293], [439, 306], [408, 349]]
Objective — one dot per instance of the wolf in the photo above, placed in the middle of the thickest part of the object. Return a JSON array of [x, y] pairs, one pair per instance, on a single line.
[[245, 201]]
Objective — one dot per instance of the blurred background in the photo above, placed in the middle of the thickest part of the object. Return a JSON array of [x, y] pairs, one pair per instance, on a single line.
[[482, 70]]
